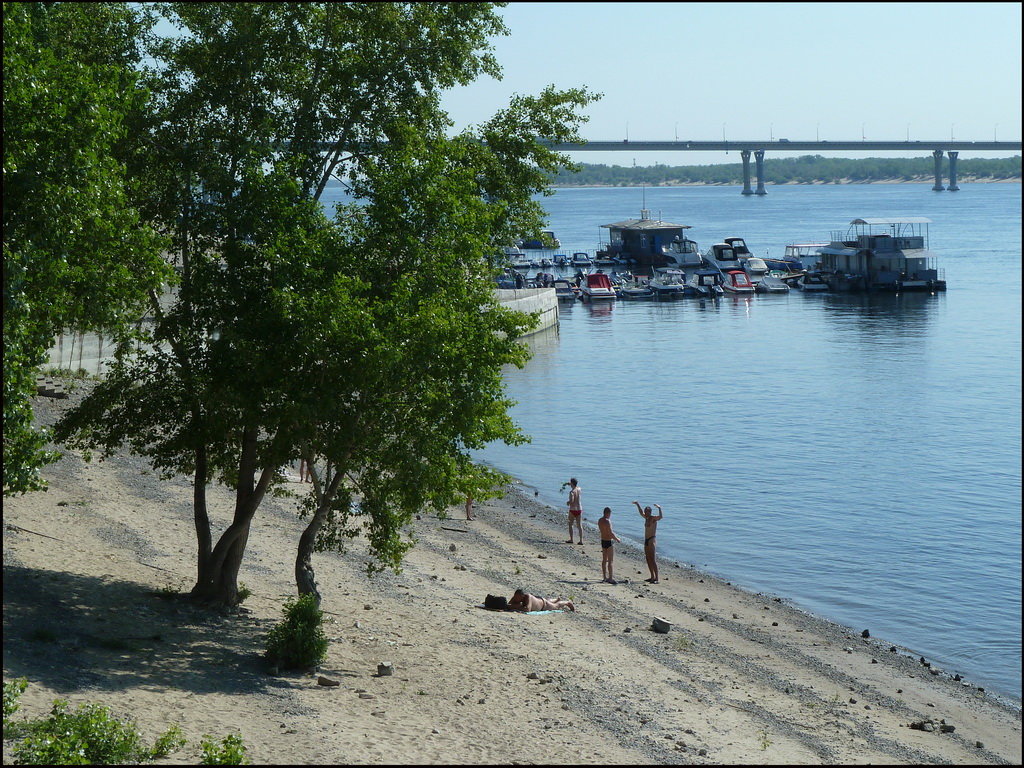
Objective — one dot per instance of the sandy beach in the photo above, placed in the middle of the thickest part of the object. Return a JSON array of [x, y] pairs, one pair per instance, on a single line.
[[740, 678]]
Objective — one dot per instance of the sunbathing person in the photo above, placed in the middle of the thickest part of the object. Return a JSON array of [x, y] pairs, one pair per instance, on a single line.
[[523, 601]]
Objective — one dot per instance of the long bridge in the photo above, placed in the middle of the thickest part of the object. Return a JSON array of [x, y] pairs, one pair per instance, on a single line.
[[758, 148]]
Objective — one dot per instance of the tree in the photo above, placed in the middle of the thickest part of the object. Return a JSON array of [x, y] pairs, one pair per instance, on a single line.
[[371, 339], [76, 254]]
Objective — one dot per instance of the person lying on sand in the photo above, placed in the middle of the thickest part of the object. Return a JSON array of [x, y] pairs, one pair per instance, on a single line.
[[523, 601]]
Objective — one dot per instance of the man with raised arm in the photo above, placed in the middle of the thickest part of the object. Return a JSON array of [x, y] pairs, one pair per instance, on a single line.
[[650, 531]]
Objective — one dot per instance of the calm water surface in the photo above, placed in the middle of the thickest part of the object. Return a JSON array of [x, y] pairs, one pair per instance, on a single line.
[[860, 455]]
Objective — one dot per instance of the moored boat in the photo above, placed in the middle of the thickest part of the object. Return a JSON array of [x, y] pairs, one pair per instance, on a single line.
[[771, 284], [882, 254], [737, 281], [580, 259], [564, 290], [669, 283], [706, 283], [597, 287]]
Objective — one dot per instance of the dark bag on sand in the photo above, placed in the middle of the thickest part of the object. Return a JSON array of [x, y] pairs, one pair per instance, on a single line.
[[495, 603]]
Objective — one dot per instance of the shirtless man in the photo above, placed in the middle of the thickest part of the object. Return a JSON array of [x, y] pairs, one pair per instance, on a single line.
[[575, 509], [608, 538], [650, 531], [524, 601]]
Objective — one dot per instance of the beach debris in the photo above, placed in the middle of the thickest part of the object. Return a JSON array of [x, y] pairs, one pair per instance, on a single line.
[[385, 668], [327, 682], [365, 695], [865, 633], [929, 726], [452, 548], [661, 625], [533, 676]]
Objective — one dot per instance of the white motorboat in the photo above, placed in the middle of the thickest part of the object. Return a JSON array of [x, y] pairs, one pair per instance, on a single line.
[[755, 267], [597, 287], [706, 283], [581, 260], [564, 290], [771, 284], [668, 283], [812, 281], [736, 281]]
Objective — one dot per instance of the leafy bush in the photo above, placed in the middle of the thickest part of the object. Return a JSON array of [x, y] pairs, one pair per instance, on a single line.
[[299, 640], [230, 751], [12, 692], [90, 735]]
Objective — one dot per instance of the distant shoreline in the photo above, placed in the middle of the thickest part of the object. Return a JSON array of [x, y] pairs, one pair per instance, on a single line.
[[841, 182]]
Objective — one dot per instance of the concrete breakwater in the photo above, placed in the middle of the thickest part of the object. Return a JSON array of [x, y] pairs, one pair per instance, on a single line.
[[92, 352]]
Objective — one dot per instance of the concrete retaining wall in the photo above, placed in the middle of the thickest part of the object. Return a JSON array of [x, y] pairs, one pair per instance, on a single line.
[[541, 300], [91, 352]]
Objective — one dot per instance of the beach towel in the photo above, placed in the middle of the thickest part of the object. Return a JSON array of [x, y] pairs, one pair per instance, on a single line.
[[528, 613]]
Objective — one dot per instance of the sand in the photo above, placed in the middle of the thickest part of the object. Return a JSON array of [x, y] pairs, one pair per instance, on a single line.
[[739, 678]]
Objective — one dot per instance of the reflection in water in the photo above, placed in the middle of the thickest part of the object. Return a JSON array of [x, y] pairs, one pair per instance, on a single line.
[[905, 314]]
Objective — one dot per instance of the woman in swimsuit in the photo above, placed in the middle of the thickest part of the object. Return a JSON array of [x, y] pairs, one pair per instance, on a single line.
[[524, 601]]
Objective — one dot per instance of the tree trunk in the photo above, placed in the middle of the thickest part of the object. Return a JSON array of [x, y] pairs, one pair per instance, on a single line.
[[219, 584], [201, 518], [305, 577]]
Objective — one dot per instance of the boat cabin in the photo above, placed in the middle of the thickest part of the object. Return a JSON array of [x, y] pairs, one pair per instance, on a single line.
[[646, 241], [885, 254]]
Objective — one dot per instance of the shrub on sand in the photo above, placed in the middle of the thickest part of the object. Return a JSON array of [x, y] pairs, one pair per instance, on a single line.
[[299, 640]]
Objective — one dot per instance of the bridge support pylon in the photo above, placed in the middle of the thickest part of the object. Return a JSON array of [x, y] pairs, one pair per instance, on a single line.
[[745, 155], [937, 154], [759, 159], [953, 155]]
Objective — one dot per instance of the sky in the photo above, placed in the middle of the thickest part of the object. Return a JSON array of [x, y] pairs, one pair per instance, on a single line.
[[751, 71]]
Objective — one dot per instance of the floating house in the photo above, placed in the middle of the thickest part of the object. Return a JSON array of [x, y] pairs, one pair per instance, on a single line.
[[647, 242], [882, 254]]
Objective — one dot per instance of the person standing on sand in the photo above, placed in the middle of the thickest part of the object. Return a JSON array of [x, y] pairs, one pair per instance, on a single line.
[[608, 538], [469, 508], [575, 509], [650, 531]]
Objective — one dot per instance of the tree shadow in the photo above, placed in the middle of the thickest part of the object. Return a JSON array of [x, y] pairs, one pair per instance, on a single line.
[[78, 633]]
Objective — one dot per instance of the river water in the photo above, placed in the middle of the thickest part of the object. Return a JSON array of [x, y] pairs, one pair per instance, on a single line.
[[858, 455]]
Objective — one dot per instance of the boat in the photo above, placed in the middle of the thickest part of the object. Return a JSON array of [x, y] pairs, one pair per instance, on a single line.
[[755, 267], [881, 254], [683, 252], [561, 260], [722, 256], [564, 290], [547, 239], [636, 290], [645, 241], [520, 261], [597, 287], [669, 283], [771, 284], [812, 281], [737, 281], [543, 262], [706, 283], [580, 259]]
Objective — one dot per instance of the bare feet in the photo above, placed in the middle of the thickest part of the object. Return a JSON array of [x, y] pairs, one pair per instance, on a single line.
[[570, 606]]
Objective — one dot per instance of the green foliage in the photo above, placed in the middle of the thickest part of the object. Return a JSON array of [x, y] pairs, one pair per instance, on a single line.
[[299, 640], [12, 693], [370, 339], [90, 735], [798, 170], [169, 742], [230, 751], [76, 254]]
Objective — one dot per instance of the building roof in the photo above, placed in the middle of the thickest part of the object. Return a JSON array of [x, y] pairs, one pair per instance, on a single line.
[[905, 220], [645, 224]]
